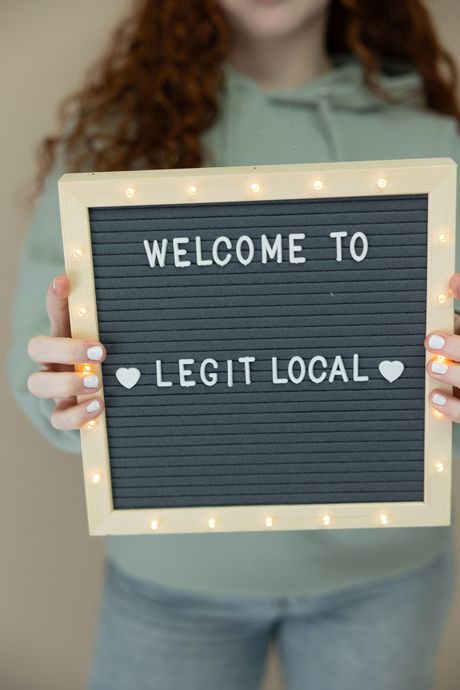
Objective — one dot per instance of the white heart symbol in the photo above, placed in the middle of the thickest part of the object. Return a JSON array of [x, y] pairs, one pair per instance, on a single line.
[[128, 377], [391, 370]]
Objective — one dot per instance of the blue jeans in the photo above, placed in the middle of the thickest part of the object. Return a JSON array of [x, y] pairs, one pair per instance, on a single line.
[[381, 636]]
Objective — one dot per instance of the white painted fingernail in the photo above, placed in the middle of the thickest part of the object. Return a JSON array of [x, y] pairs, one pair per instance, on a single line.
[[90, 381], [439, 367], [436, 342], [94, 352], [439, 399], [93, 406]]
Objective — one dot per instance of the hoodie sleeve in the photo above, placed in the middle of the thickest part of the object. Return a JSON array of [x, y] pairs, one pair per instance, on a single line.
[[41, 257]]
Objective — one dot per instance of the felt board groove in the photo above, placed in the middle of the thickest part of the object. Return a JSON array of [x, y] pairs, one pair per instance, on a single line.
[[395, 469], [356, 426], [158, 293], [301, 464], [386, 404], [264, 443]]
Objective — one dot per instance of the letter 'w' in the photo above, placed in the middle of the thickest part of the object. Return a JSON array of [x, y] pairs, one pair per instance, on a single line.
[[154, 252]]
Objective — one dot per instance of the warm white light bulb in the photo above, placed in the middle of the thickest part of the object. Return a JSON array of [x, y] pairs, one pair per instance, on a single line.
[[384, 519], [442, 237], [318, 185], [83, 311], [382, 183], [326, 520], [211, 523], [130, 192], [268, 521], [87, 369], [91, 424], [96, 478], [437, 413], [439, 467], [154, 524], [192, 190], [77, 253], [442, 298], [255, 187]]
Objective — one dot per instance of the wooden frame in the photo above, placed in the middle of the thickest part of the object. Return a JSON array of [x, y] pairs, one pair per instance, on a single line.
[[80, 191]]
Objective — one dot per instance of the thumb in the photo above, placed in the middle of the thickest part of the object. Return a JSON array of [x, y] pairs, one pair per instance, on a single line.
[[58, 307]]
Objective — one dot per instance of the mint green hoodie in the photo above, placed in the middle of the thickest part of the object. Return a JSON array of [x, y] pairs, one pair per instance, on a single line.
[[333, 117]]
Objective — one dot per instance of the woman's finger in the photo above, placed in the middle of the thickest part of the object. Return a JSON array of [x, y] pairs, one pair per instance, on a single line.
[[61, 384], [454, 285], [76, 416], [49, 349], [57, 306], [442, 343], [444, 370], [445, 403]]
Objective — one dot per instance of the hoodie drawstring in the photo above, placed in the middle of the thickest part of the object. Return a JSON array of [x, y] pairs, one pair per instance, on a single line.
[[325, 115]]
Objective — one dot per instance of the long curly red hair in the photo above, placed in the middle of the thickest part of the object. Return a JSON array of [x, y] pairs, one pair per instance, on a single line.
[[148, 99]]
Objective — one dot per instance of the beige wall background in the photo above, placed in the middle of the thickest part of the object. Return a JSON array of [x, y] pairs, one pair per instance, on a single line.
[[51, 569]]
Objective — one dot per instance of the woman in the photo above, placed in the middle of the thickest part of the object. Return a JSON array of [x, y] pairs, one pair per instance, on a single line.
[[240, 82]]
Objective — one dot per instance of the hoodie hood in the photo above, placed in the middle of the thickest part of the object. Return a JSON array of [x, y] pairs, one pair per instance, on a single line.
[[338, 90]]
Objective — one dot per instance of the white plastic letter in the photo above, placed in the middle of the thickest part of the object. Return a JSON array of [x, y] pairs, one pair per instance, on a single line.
[[250, 245], [275, 377], [208, 379], [356, 376], [269, 251], [215, 249], [180, 251], [294, 248], [302, 369], [247, 370], [154, 252], [199, 256], [338, 369], [311, 374], [159, 372], [363, 238], [338, 234], [184, 372]]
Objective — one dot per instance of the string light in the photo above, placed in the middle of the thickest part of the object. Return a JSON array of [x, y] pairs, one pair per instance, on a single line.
[[255, 187], [439, 467], [91, 424], [442, 237], [192, 190], [87, 369], [211, 523], [384, 519], [268, 521], [326, 520], [130, 192], [83, 311], [154, 524], [318, 185], [382, 183], [96, 478], [442, 298], [77, 253]]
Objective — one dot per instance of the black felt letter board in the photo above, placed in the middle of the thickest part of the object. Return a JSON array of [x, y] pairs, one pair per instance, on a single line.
[[300, 441]]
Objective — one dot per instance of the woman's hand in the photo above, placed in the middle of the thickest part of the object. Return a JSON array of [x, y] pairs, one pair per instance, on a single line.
[[442, 344], [58, 352]]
